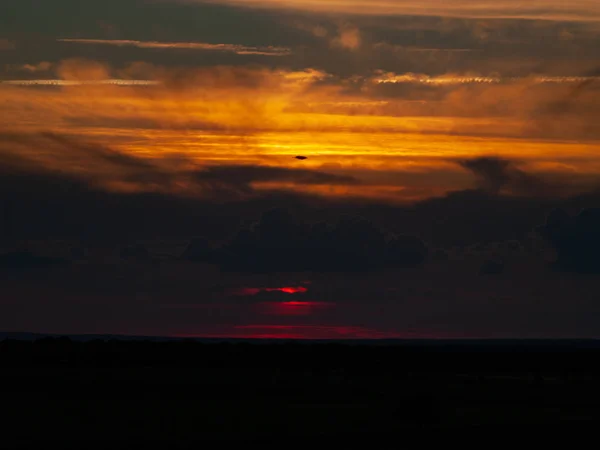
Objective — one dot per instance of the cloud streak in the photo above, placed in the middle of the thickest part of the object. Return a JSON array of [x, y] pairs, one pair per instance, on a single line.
[[57, 82], [454, 79], [232, 48]]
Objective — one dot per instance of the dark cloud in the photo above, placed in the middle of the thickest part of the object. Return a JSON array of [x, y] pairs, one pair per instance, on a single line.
[[25, 260], [492, 267], [141, 123], [501, 176], [135, 253], [496, 175], [576, 239], [200, 249], [99, 152], [568, 102], [246, 175], [39, 202], [280, 243], [97, 164]]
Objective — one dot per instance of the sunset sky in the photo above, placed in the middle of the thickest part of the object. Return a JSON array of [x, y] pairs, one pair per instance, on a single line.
[[396, 104]]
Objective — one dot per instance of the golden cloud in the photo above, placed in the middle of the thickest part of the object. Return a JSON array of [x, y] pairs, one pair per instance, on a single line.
[[184, 118]]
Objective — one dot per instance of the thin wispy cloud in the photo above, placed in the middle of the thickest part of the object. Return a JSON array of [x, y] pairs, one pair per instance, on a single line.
[[412, 78], [115, 82], [232, 48]]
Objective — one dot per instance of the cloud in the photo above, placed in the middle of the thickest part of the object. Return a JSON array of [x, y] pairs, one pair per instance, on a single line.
[[233, 48], [246, 175], [22, 261], [451, 79], [348, 38], [501, 176], [497, 175], [280, 243], [43, 66], [394, 139], [257, 99], [48, 152], [575, 239], [6, 45], [577, 10], [109, 82], [77, 69], [111, 169], [37, 202]]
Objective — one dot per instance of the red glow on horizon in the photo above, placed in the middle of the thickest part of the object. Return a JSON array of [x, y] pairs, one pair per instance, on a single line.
[[249, 291], [293, 308], [319, 332], [301, 303], [289, 290]]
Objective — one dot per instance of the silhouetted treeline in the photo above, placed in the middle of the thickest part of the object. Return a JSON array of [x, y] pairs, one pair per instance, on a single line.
[[434, 358]]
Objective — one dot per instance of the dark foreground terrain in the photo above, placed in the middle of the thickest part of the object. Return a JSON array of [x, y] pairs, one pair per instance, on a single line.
[[63, 393]]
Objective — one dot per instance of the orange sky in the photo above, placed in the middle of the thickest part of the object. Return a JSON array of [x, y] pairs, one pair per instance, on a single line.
[[211, 119], [372, 97]]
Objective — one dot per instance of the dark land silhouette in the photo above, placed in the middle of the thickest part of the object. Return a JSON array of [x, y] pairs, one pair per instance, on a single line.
[[119, 392]]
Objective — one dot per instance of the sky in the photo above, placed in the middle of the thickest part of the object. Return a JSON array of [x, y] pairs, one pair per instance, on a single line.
[[447, 130]]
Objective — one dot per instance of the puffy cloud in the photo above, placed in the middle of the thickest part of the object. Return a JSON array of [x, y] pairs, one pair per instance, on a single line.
[[348, 38]]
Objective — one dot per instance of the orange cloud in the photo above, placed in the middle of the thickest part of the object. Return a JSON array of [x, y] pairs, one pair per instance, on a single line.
[[348, 38]]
